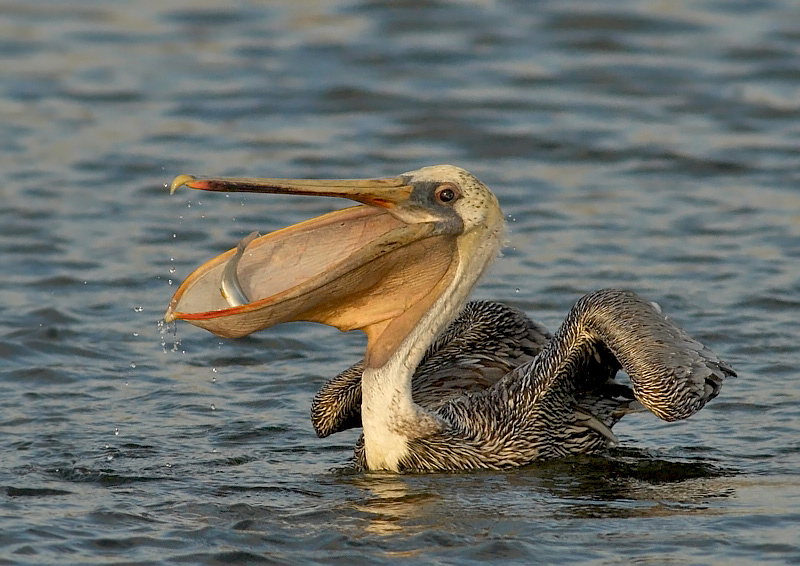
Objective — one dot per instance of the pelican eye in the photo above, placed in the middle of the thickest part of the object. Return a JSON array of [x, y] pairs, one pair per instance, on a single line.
[[447, 192]]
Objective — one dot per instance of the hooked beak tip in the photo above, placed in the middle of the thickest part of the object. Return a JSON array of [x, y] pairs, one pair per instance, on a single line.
[[181, 180]]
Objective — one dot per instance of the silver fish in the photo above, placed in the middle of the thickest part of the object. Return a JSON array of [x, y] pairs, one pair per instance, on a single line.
[[230, 287]]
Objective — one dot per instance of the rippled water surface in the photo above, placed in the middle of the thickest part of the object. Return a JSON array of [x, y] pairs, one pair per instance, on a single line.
[[645, 144]]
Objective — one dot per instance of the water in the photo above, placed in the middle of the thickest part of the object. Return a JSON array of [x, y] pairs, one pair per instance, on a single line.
[[650, 145]]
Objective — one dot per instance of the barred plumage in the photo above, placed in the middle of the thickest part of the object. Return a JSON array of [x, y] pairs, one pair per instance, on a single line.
[[559, 396]]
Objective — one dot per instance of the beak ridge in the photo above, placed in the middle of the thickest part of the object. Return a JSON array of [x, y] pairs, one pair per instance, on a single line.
[[384, 193]]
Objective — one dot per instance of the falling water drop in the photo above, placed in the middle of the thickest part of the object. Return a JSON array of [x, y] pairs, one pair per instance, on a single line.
[[164, 329]]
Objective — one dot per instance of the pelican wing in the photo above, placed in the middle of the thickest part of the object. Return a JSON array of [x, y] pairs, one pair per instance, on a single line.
[[545, 407], [672, 374]]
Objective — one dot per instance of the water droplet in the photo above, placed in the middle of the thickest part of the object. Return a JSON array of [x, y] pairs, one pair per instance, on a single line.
[[164, 329], [109, 458], [116, 432], [213, 407], [133, 365], [516, 290], [138, 309], [169, 281], [107, 447], [213, 380], [213, 450], [188, 205], [172, 269], [135, 334], [168, 465], [213, 370], [174, 235]]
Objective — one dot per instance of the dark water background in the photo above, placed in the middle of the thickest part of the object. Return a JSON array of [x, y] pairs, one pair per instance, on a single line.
[[646, 144]]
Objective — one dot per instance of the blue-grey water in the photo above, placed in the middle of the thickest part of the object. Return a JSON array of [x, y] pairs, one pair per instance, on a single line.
[[647, 144]]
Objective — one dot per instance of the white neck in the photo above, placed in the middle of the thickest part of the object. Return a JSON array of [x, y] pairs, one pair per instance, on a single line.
[[389, 415]]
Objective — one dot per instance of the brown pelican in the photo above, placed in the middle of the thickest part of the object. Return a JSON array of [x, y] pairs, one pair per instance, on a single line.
[[443, 387]]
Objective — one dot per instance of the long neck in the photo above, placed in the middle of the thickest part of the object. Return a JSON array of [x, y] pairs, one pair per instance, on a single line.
[[389, 415]]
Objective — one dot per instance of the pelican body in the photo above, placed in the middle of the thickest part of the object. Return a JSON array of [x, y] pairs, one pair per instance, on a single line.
[[441, 386]]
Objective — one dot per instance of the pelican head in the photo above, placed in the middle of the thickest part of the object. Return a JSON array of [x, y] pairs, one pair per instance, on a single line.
[[377, 267]]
